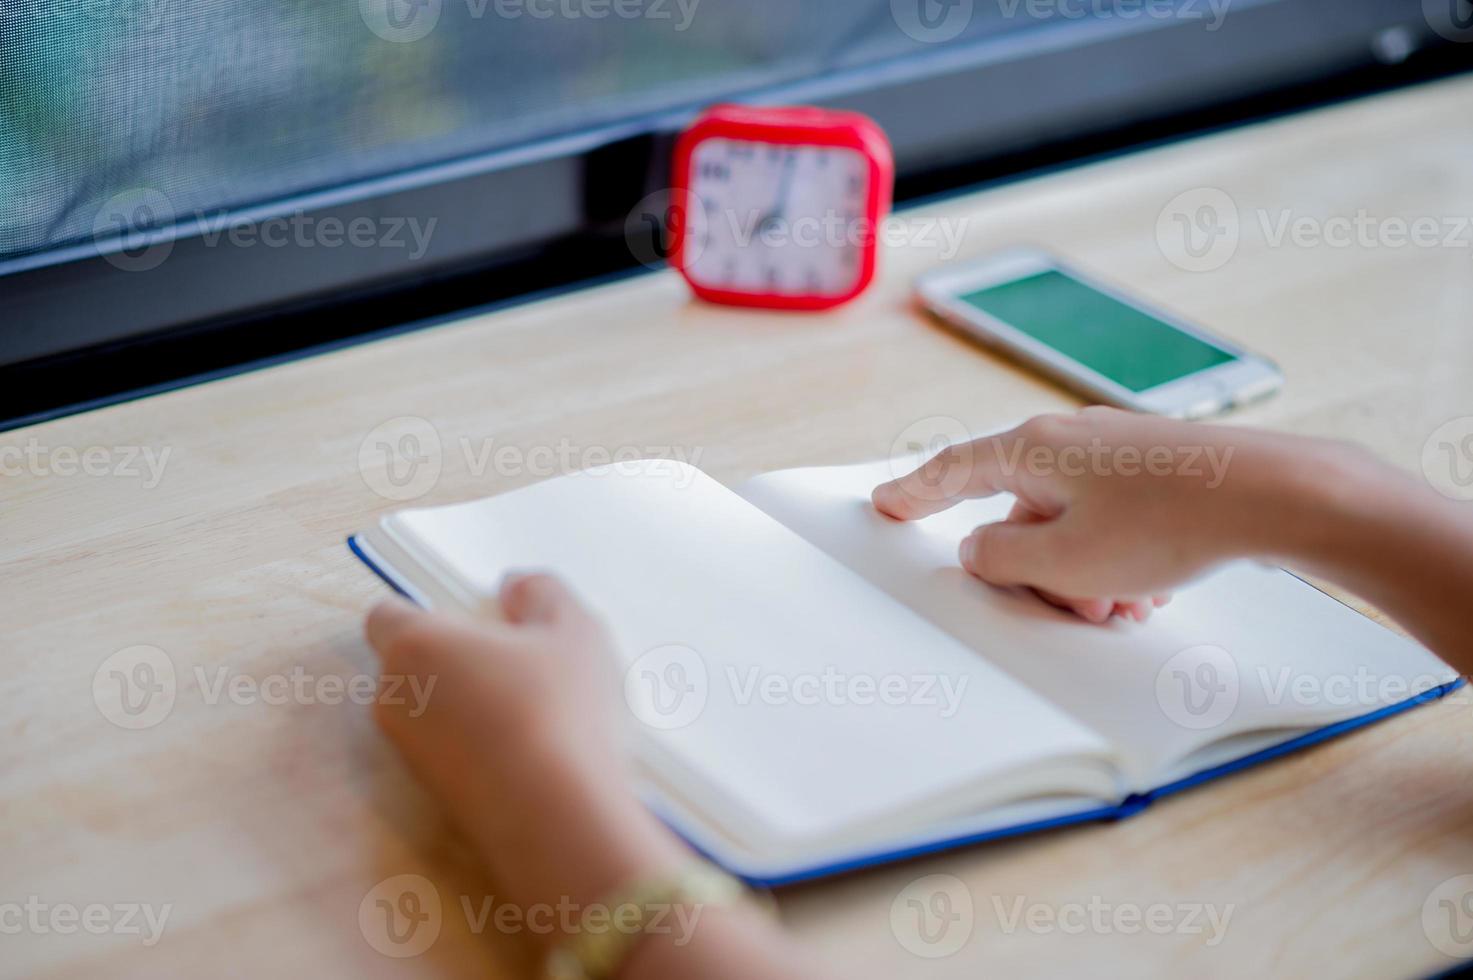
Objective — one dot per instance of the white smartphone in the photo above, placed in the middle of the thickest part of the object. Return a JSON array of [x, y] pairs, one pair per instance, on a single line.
[[1093, 338]]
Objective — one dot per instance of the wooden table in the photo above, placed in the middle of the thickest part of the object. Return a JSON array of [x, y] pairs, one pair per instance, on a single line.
[[264, 825]]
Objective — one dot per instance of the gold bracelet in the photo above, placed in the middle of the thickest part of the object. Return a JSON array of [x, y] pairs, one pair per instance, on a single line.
[[596, 953]]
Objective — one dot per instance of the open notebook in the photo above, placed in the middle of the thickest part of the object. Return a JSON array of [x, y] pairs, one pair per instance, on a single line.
[[819, 687]]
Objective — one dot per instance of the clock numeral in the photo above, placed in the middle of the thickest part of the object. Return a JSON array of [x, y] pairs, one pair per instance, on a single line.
[[774, 186]]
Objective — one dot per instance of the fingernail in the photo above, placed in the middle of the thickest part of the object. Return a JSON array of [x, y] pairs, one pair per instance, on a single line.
[[511, 577], [968, 552], [880, 497], [394, 605]]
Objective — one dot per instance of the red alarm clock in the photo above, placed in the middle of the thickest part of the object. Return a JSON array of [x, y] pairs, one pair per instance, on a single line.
[[779, 207]]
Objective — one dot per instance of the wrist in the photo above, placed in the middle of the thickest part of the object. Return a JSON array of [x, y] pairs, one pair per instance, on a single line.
[[581, 832], [1342, 516], [1313, 504]]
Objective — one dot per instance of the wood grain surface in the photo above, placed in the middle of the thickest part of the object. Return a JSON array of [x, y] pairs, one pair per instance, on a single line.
[[263, 826]]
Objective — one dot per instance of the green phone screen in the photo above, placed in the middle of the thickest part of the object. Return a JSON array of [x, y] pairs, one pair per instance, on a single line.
[[1131, 348]]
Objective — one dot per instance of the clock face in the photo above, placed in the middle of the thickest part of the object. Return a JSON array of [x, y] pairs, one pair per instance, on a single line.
[[772, 218]]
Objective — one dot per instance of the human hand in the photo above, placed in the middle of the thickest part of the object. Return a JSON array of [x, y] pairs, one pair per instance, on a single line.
[[1113, 508], [519, 738]]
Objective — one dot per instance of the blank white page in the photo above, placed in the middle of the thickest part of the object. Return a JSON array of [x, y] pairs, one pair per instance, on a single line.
[[1245, 649], [670, 558]]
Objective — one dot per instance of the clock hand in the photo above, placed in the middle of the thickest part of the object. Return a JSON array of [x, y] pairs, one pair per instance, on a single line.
[[775, 215]]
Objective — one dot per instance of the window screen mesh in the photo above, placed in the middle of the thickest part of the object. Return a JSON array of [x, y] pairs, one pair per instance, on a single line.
[[198, 106]]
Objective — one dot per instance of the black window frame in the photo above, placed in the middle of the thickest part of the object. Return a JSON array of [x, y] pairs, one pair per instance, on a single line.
[[79, 331]]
